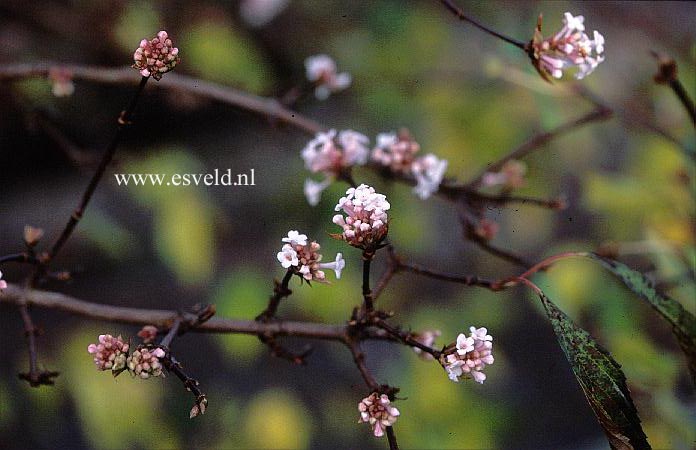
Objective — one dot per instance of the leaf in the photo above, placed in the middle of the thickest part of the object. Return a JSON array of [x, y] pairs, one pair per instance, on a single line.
[[601, 379], [682, 321]]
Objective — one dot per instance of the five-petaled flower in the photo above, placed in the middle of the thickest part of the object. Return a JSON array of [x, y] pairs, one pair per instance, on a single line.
[[156, 56], [376, 410], [322, 72], [303, 258], [145, 362], [470, 355], [567, 49], [332, 153], [366, 223], [110, 353]]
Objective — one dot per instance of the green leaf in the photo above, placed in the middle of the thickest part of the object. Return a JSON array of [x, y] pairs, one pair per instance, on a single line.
[[682, 321], [601, 379]]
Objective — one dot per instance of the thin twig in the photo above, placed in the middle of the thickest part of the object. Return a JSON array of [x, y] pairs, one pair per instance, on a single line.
[[667, 74], [353, 345], [540, 139], [268, 107], [123, 122], [191, 384], [366, 292], [460, 14], [467, 280], [405, 337], [280, 291], [391, 436], [19, 258]]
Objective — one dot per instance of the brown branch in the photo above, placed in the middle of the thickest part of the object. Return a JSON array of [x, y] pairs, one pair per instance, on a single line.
[[667, 74], [123, 122], [19, 258], [268, 107], [467, 280], [461, 16], [405, 337], [163, 319], [540, 139], [353, 344]]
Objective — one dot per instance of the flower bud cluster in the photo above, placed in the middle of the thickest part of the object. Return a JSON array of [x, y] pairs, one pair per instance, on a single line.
[[398, 153], [145, 363], [376, 410], [156, 56], [110, 353]]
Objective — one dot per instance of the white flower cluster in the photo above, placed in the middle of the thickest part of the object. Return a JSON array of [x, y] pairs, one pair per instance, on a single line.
[[322, 71], [472, 355], [569, 48], [331, 153], [366, 222], [397, 152], [376, 410], [304, 259]]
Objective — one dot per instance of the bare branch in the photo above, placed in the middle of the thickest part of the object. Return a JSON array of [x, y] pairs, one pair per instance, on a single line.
[[268, 107]]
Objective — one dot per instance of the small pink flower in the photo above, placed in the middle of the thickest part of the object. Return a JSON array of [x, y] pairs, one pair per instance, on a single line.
[[510, 176], [303, 257], [61, 82], [395, 151], [156, 56], [332, 153], [145, 363], [3, 283], [148, 333], [471, 355], [426, 338], [110, 353], [321, 70], [366, 223], [487, 229], [376, 410], [570, 48]]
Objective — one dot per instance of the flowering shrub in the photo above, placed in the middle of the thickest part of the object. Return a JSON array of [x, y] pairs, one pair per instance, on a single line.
[[364, 216]]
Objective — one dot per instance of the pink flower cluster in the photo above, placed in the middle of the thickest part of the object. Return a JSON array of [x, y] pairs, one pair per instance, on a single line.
[[304, 258], [145, 363], [156, 56], [376, 410], [397, 152], [510, 176], [322, 71], [472, 355], [366, 222], [331, 153], [569, 48], [110, 353]]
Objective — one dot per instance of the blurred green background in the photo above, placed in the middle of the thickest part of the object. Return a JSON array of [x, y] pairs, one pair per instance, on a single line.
[[466, 97]]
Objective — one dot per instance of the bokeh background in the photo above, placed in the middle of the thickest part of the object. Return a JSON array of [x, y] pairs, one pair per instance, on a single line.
[[466, 97]]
